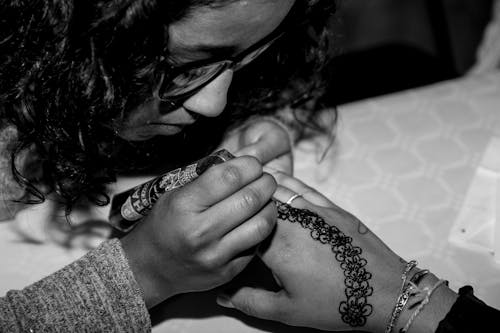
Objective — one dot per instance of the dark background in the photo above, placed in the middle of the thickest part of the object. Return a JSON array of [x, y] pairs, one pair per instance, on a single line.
[[384, 46]]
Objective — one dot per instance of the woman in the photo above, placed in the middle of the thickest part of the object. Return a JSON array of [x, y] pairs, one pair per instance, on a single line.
[[91, 89]]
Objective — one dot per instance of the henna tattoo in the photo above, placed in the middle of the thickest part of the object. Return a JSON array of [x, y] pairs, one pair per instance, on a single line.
[[355, 310]]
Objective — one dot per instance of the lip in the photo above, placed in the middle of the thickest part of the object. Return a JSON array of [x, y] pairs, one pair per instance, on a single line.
[[171, 124], [151, 130]]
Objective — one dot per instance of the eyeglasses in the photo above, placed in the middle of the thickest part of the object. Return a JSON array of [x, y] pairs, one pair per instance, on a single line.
[[184, 81]]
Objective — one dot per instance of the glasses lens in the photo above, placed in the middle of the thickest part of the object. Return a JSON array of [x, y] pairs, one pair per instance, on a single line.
[[190, 80]]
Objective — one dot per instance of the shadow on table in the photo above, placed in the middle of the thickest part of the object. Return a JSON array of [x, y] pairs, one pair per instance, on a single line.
[[203, 305]]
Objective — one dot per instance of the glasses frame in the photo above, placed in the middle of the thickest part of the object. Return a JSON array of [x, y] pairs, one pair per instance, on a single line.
[[226, 64]]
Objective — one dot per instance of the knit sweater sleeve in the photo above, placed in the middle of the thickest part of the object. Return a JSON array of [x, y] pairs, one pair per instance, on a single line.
[[95, 293]]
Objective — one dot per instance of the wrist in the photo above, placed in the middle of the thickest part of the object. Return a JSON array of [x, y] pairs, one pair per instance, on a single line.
[[154, 290], [385, 297], [440, 303], [407, 291]]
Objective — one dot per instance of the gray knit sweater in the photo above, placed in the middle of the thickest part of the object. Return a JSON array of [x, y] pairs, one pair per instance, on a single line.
[[96, 293]]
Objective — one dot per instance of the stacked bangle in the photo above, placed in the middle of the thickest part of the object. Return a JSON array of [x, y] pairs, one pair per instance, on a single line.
[[421, 305], [419, 293], [410, 289], [404, 295]]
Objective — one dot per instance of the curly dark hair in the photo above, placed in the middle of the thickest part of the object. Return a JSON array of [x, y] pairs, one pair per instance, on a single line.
[[70, 68]]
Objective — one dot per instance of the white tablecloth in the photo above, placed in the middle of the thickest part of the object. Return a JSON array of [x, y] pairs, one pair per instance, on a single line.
[[402, 163]]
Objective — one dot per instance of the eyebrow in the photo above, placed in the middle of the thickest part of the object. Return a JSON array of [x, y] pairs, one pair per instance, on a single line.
[[213, 50]]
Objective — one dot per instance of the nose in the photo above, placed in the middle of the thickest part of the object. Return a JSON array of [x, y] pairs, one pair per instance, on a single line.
[[211, 100]]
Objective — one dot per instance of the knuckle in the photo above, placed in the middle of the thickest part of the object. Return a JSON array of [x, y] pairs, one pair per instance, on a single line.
[[190, 243], [231, 175], [193, 239], [177, 201], [250, 199], [200, 232], [210, 261]]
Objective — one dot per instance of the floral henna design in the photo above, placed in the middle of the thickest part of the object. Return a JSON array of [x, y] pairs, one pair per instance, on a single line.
[[355, 310]]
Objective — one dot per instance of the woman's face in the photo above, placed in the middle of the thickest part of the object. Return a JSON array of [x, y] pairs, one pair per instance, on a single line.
[[206, 32]]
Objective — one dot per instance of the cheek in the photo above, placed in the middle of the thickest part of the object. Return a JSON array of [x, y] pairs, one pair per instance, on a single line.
[[141, 115]]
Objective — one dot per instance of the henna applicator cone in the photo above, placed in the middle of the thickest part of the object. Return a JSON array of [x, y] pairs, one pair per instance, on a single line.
[[127, 208]]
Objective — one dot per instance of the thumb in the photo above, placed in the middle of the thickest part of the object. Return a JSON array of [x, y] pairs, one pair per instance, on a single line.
[[255, 302]]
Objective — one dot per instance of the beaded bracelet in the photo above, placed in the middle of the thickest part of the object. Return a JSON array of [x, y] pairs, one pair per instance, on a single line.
[[404, 295], [421, 305]]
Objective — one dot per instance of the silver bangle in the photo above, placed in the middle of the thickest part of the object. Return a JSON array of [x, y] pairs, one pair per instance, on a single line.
[[422, 304], [403, 296]]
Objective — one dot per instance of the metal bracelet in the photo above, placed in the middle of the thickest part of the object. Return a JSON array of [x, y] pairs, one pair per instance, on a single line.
[[422, 304], [418, 276], [404, 295], [418, 294]]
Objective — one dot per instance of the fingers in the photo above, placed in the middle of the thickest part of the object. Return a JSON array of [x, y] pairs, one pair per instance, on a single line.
[[296, 186], [241, 206], [256, 302], [283, 194], [221, 181], [251, 233]]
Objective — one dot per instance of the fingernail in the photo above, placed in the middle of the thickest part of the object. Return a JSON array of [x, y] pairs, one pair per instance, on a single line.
[[224, 301]]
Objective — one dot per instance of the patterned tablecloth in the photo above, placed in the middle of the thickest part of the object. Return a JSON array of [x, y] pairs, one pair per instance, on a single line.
[[414, 166], [405, 164]]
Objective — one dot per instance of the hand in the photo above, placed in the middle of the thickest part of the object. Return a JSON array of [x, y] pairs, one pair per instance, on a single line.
[[265, 140], [202, 235], [293, 186], [314, 285]]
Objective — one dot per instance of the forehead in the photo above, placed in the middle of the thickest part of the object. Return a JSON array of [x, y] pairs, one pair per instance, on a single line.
[[237, 24]]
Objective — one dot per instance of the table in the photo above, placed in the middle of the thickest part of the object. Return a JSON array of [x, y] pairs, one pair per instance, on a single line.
[[402, 163]]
